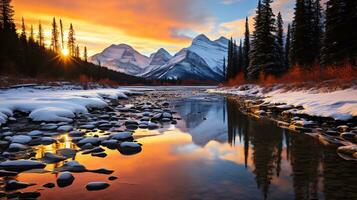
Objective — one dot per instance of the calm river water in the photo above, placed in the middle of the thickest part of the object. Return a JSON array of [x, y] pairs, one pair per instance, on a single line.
[[214, 152]]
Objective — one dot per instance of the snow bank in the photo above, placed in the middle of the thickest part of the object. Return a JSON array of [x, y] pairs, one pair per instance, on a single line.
[[340, 104], [54, 104]]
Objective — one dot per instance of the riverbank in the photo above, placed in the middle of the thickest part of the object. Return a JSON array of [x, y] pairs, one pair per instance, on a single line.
[[328, 115], [44, 128]]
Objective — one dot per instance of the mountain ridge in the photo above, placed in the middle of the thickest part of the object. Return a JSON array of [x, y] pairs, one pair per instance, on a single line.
[[202, 60]]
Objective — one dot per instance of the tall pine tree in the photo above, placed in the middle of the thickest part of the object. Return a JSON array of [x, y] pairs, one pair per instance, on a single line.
[[240, 60], [306, 34], [246, 47], [280, 40], [54, 38], [62, 37], [40, 35], [287, 47], [340, 43], [85, 54], [264, 56], [71, 43]]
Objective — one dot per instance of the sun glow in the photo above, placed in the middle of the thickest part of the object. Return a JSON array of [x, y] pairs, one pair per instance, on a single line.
[[65, 52]]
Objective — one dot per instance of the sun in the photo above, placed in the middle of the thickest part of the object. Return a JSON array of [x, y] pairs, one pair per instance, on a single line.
[[65, 52]]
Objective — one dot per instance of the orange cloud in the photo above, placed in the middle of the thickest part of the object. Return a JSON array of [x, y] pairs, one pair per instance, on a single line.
[[146, 23]]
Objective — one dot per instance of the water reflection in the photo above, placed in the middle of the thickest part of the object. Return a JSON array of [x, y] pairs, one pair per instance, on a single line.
[[215, 152], [311, 171]]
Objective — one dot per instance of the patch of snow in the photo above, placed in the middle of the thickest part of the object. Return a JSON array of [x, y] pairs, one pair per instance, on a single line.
[[339, 104], [54, 104]]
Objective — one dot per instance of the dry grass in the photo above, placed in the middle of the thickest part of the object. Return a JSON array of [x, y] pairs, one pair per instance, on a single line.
[[328, 78]]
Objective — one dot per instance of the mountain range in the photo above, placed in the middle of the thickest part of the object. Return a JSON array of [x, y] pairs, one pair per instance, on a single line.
[[202, 60]]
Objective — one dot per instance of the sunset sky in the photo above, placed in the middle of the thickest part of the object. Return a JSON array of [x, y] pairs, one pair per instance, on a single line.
[[147, 25]]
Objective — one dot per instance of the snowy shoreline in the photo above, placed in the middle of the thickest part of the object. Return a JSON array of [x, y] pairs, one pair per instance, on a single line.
[[339, 104], [55, 104]]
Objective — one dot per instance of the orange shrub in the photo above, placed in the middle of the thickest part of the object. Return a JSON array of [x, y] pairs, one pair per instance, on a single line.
[[317, 74]]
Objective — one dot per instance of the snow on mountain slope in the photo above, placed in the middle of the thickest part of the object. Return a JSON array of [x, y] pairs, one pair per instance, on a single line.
[[203, 60], [157, 59], [212, 52], [185, 65], [122, 58]]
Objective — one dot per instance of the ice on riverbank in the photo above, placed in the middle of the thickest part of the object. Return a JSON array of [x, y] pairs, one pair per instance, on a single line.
[[55, 104], [339, 104]]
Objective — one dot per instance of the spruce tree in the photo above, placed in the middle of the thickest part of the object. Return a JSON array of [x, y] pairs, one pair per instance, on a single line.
[[307, 33], [7, 14], [246, 47], [340, 43], [264, 56], [224, 69], [23, 30], [240, 60], [54, 38], [85, 55], [71, 43], [280, 40], [40, 35], [31, 37], [61, 29], [235, 68], [287, 47], [77, 54], [230, 60]]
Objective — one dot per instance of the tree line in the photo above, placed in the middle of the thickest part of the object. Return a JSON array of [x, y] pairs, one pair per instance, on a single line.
[[316, 37], [26, 54]]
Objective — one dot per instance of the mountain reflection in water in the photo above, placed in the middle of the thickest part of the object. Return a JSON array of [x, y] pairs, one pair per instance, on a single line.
[[214, 152], [285, 165]]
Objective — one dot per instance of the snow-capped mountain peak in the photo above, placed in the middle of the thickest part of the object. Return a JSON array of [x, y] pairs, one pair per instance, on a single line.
[[123, 55], [202, 60]]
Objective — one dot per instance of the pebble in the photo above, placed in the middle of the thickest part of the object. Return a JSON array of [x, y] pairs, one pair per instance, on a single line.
[[15, 147], [91, 140], [52, 158], [7, 173], [65, 128], [96, 186], [65, 179], [21, 165], [112, 178], [94, 150], [21, 139], [99, 154], [15, 185], [49, 185], [121, 136]]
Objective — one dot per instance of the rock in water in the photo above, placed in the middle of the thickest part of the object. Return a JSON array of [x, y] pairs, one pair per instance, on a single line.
[[122, 136], [91, 140], [52, 158], [49, 185], [67, 152], [96, 186], [129, 148], [15, 185], [21, 139], [94, 150], [65, 128], [29, 195], [112, 178], [101, 171], [65, 179], [15, 147], [7, 173], [73, 166], [21, 165]]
